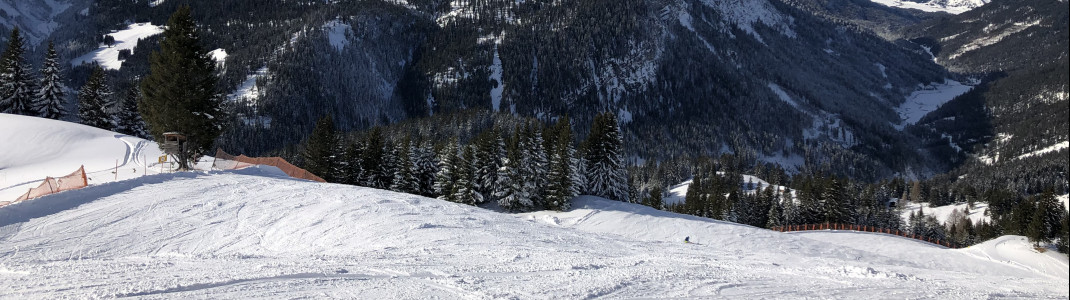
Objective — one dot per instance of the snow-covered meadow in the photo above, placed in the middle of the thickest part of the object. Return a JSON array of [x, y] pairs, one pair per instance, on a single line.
[[255, 233], [108, 55]]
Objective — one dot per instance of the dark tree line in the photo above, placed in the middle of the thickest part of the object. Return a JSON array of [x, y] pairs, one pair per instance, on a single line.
[[528, 166]]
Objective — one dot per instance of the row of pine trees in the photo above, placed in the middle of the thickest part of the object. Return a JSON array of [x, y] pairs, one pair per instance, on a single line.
[[533, 166], [23, 94]]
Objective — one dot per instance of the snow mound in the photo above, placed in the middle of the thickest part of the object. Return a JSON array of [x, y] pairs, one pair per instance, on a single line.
[[108, 55], [33, 148]]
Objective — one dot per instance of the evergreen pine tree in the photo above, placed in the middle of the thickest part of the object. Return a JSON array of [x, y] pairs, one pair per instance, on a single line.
[[18, 85], [180, 91], [607, 176], [352, 171], [533, 163], [809, 204], [129, 119], [511, 195], [320, 149], [389, 167], [94, 101], [1064, 240], [425, 169], [1045, 224], [371, 161], [52, 94], [559, 190], [339, 167], [488, 160], [775, 216], [405, 173], [446, 178], [464, 188], [579, 172], [835, 202], [791, 210], [655, 199]]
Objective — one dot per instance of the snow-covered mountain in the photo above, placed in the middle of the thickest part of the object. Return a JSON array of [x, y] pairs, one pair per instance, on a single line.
[[948, 6], [38, 19], [772, 79], [1013, 126]]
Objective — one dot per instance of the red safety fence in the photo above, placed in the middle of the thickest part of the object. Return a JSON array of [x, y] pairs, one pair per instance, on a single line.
[[52, 185], [224, 161], [863, 228]]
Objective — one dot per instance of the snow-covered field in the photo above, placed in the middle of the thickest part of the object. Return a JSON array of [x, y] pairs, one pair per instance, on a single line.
[[929, 98], [748, 185], [943, 213], [256, 233], [948, 6], [108, 55]]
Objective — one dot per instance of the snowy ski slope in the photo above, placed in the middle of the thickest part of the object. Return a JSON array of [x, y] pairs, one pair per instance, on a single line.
[[255, 233]]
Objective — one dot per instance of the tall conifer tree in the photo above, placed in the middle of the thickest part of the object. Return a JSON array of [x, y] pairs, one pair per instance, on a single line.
[[18, 85], [404, 174], [559, 190], [180, 91], [607, 176], [320, 149], [446, 178], [371, 161], [52, 94], [425, 169], [511, 194], [94, 108], [128, 118], [533, 165]]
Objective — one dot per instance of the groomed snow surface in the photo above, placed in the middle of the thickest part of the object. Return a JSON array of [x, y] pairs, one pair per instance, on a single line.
[[255, 233]]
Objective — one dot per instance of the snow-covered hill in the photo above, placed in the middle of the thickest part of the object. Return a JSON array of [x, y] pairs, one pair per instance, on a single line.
[[33, 148], [749, 185], [107, 55], [255, 233]]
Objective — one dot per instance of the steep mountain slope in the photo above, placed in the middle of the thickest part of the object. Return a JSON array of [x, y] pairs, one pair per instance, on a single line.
[[760, 78], [39, 21], [887, 21], [1015, 126], [254, 234]]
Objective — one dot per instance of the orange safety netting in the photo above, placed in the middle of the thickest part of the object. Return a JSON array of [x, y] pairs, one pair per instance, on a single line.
[[51, 185], [224, 161], [834, 226]]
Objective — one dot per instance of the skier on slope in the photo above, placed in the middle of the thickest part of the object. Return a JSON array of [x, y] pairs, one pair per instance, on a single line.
[[687, 239]]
